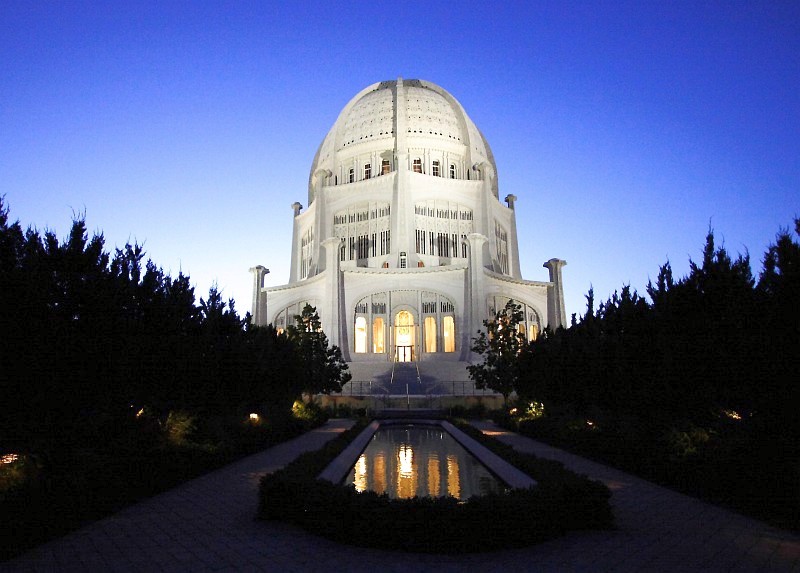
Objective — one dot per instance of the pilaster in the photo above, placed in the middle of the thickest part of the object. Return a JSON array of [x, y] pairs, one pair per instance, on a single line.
[[330, 315], [556, 314], [513, 242], [474, 290], [259, 304], [296, 207]]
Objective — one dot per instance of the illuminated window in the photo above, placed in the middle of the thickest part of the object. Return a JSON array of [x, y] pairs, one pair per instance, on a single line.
[[385, 168], [352, 176], [367, 171], [435, 169], [417, 165], [533, 333], [449, 331], [430, 334], [361, 334], [378, 330]]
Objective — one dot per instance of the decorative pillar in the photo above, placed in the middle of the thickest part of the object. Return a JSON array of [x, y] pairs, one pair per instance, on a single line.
[[474, 291], [513, 244], [322, 221], [296, 207], [333, 286], [556, 315], [259, 305]]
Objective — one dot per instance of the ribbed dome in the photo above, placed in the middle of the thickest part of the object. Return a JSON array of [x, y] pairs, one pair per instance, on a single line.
[[428, 116]]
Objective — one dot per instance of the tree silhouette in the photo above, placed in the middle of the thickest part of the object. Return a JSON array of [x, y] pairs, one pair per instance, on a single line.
[[323, 370], [499, 346]]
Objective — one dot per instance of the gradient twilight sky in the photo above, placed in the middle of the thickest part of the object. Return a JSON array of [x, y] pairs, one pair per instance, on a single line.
[[624, 128]]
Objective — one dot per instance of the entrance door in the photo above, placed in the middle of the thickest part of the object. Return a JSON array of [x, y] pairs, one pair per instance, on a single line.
[[404, 336], [404, 354]]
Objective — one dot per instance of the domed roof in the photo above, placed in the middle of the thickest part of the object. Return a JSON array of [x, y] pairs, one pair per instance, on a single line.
[[426, 114]]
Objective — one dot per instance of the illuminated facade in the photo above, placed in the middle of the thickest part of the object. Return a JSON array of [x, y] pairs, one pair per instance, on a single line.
[[405, 247]]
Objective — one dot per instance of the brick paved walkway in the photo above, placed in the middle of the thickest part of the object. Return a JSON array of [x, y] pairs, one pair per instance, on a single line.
[[208, 524]]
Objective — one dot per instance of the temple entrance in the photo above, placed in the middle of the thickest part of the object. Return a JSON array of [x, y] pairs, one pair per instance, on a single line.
[[404, 336]]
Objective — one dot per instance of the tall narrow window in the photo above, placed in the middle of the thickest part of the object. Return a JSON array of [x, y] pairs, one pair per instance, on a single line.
[[352, 176], [417, 165], [385, 168], [452, 171], [449, 334], [403, 260], [378, 345], [367, 171], [361, 334], [436, 169], [430, 334]]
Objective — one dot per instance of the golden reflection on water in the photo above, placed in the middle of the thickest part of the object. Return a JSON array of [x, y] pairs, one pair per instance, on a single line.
[[360, 480], [406, 472], [453, 479], [426, 461], [379, 473], [434, 476]]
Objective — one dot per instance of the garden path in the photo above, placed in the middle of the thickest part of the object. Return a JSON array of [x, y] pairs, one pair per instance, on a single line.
[[208, 524]]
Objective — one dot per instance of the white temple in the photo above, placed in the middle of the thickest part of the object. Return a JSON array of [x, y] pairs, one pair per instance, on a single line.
[[405, 248]]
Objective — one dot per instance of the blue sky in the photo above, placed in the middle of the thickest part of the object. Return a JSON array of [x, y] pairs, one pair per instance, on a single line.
[[625, 129]]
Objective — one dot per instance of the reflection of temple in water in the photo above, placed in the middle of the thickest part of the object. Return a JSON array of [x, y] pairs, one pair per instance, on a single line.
[[425, 461]]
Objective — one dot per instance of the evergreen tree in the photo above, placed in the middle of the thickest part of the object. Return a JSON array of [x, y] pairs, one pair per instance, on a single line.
[[323, 369], [499, 346]]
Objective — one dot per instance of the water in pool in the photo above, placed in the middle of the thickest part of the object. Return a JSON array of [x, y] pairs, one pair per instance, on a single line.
[[407, 461]]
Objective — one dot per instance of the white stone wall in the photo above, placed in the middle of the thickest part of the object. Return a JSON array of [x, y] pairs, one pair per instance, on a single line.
[[401, 122]]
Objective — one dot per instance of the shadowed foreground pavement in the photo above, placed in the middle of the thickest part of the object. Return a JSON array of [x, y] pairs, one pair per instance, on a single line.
[[207, 524]]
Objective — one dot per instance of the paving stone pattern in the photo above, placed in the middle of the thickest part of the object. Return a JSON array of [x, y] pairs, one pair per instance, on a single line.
[[208, 524]]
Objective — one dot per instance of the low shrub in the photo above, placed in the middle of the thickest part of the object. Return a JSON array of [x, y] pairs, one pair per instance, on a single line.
[[563, 501], [63, 488]]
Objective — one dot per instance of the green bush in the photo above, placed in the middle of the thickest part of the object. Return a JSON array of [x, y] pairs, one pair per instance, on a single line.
[[563, 501]]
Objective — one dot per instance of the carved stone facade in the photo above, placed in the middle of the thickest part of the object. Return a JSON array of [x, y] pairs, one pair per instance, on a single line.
[[405, 247]]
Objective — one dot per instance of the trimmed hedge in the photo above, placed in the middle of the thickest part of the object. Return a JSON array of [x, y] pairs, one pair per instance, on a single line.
[[562, 502]]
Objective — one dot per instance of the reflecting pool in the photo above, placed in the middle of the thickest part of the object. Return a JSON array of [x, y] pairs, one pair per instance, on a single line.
[[415, 460]]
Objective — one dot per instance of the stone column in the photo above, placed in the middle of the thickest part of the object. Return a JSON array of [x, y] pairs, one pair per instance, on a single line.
[[474, 291], [556, 315], [402, 235], [322, 221], [293, 270], [331, 320], [513, 241], [259, 305]]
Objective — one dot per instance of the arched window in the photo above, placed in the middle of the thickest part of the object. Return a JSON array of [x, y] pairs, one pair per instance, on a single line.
[[361, 334], [430, 334], [378, 336], [449, 332]]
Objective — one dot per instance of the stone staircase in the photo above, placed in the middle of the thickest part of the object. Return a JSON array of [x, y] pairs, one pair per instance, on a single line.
[[411, 379]]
